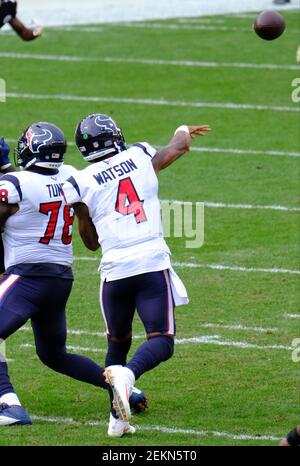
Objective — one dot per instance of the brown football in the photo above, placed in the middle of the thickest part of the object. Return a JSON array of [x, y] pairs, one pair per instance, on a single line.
[[269, 25]]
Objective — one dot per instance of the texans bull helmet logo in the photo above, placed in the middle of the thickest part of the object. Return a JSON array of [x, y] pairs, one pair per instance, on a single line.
[[105, 123], [42, 144], [35, 141]]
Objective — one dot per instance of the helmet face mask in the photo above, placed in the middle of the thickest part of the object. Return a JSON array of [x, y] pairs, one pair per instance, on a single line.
[[42, 145], [97, 136]]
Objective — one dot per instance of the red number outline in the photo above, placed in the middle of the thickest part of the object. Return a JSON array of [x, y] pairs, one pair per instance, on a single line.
[[53, 208], [66, 236], [4, 195], [127, 191]]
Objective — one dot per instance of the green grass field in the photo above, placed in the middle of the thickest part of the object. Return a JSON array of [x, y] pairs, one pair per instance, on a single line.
[[236, 382]]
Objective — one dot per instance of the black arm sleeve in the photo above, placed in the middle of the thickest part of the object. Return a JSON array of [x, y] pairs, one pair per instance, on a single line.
[[8, 11]]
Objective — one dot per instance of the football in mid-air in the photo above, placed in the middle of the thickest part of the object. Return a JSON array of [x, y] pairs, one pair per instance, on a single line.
[[269, 25]]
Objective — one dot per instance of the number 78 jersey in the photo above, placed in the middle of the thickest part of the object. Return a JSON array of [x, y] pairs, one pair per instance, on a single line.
[[41, 230], [121, 194]]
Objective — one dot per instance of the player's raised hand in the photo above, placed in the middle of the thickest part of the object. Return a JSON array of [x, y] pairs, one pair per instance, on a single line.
[[179, 145], [36, 28], [199, 130]]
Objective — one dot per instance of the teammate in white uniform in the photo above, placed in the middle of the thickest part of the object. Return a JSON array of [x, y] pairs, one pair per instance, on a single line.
[[116, 202], [38, 256]]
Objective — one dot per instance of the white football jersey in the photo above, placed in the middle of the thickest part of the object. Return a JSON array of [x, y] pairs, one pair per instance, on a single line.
[[122, 197], [41, 230]]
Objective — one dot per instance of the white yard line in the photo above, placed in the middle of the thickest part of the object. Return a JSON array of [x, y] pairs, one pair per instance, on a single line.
[[167, 26], [215, 340], [72, 332], [158, 428], [71, 348], [241, 327], [246, 151], [203, 339], [189, 27], [147, 61], [292, 316], [234, 268], [204, 325], [192, 265], [235, 206], [159, 102], [81, 332]]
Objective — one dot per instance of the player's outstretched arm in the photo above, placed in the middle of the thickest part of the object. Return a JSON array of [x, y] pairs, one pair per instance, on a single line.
[[24, 32], [179, 145], [86, 227]]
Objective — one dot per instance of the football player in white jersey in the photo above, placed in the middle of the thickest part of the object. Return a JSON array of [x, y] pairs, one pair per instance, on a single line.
[[117, 205], [38, 257]]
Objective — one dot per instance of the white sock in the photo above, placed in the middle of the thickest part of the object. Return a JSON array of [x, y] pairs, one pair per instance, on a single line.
[[10, 399]]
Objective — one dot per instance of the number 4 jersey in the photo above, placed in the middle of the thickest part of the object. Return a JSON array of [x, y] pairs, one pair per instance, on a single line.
[[41, 230], [122, 197]]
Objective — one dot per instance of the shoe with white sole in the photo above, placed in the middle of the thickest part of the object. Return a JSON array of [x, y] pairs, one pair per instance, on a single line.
[[117, 428], [121, 381], [13, 415]]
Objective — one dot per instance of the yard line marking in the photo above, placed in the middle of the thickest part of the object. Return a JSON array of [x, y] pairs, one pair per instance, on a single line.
[[240, 327], [72, 332], [148, 61], [235, 206], [205, 325], [292, 316], [140, 25], [234, 268], [245, 151], [82, 332], [159, 428], [214, 340], [203, 339], [160, 102], [176, 26], [192, 265], [200, 20], [72, 348]]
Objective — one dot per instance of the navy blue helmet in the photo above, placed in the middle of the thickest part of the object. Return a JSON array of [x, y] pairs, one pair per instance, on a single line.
[[97, 136], [42, 144]]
